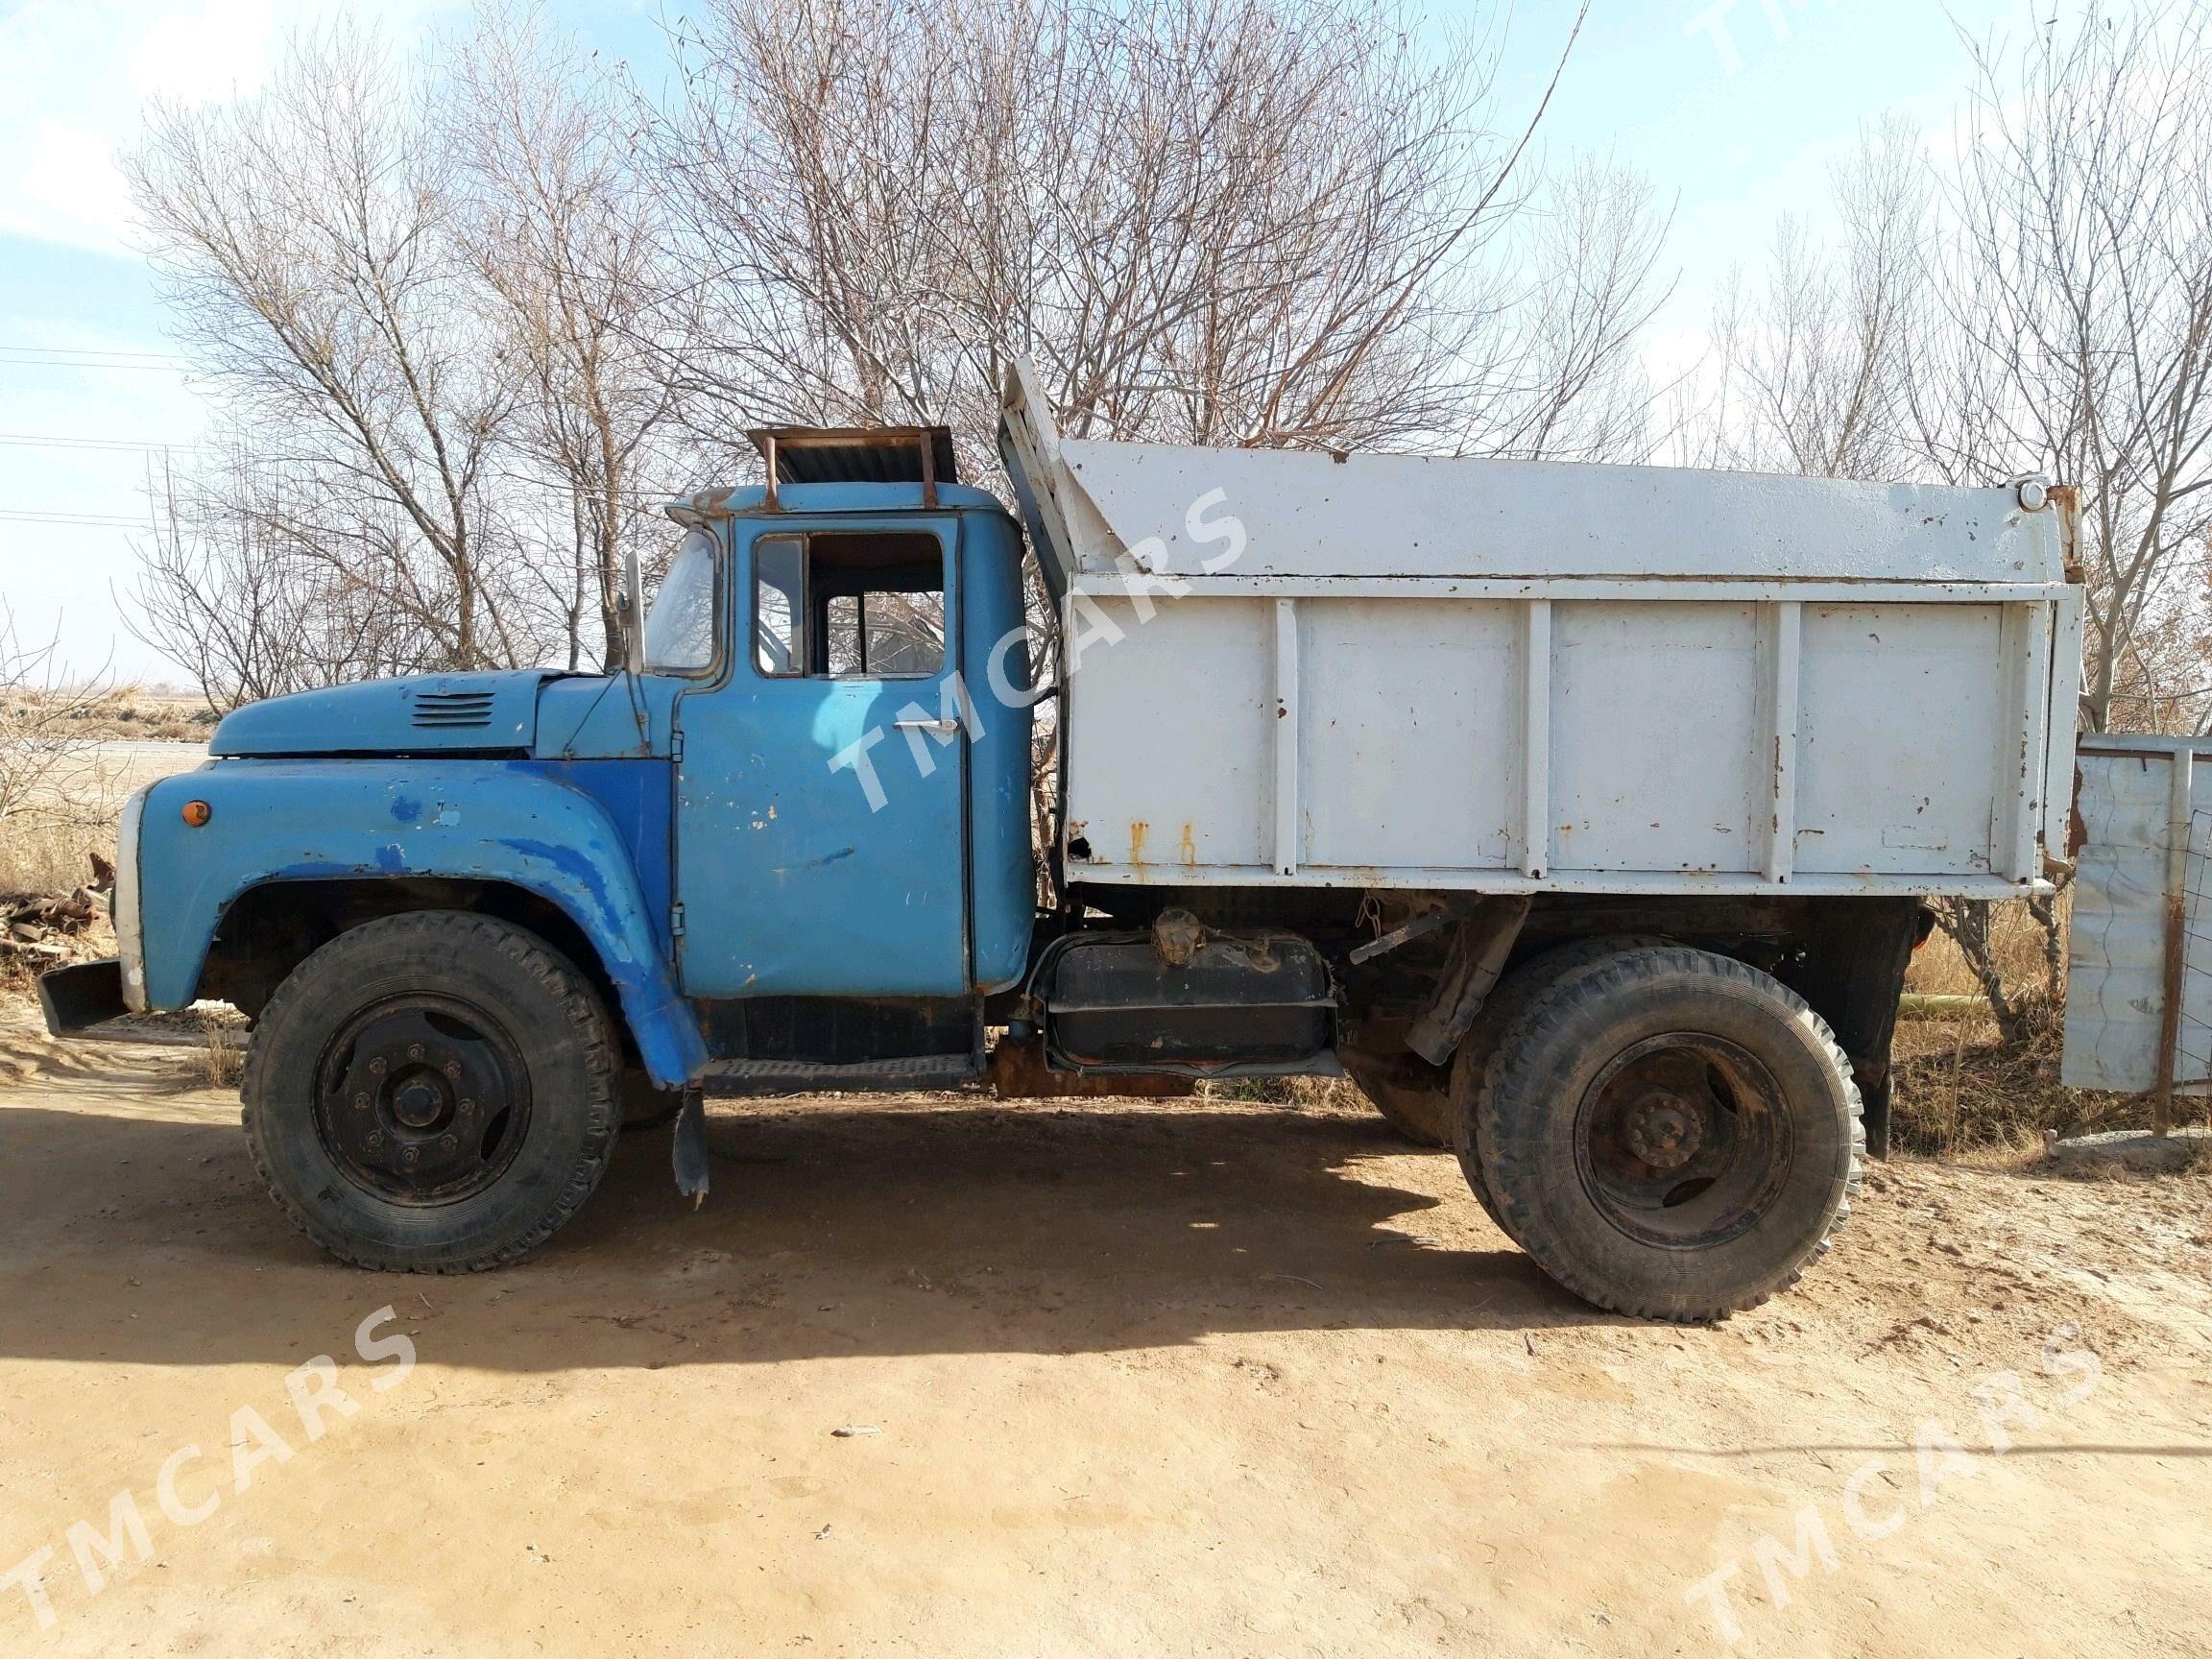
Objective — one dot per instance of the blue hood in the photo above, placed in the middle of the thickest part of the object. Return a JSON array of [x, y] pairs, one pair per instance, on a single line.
[[425, 714]]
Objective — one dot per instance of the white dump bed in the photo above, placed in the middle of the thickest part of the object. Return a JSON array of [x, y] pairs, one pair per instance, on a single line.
[[1378, 670]]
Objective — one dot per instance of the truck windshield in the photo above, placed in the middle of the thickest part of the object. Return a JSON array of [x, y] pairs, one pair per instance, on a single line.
[[680, 625]]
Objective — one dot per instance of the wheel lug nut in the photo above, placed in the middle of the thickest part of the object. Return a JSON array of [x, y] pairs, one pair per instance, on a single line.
[[453, 1070], [447, 1143], [414, 1050], [360, 1102], [409, 1156], [375, 1138], [467, 1107], [376, 1067]]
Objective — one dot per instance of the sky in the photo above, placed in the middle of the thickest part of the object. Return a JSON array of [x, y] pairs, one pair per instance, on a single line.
[[1736, 110]]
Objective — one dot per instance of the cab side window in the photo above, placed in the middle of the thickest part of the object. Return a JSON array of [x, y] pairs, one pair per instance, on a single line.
[[841, 606]]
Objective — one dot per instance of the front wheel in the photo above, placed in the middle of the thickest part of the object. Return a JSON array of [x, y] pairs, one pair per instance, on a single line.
[[1670, 1134], [432, 1093]]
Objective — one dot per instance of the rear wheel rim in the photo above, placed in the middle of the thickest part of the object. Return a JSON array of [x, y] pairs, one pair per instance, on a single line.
[[1683, 1140], [423, 1099]]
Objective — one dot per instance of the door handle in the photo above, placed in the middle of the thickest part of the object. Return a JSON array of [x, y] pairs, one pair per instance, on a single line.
[[943, 727]]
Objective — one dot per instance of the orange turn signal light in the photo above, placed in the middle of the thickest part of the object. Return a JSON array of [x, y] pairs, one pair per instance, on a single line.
[[198, 812]]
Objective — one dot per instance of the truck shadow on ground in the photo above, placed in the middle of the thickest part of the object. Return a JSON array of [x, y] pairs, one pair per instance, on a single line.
[[834, 1229]]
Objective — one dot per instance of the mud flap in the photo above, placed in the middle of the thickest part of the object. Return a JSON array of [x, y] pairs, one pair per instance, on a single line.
[[690, 1151], [1479, 954]]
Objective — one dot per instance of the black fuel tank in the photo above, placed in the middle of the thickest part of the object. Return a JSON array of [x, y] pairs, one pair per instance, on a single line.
[[1219, 1004]]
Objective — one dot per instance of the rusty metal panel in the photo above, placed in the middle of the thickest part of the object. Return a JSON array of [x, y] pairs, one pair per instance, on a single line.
[[1171, 736], [2130, 894]]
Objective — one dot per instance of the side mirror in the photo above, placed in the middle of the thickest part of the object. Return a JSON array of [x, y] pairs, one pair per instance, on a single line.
[[630, 605]]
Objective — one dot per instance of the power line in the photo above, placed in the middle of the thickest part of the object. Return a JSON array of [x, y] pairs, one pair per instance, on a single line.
[[47, 357], [101, 352], [30, 516], [32, 441]]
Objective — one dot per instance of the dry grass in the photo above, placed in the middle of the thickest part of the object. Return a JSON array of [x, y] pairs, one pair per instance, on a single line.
[[2016, 942], [48, 857], [222, 1061], [43, 856], [134, 714], [1961, 1088]]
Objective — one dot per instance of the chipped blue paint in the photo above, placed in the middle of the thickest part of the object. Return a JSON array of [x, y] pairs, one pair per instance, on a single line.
[[310, 820], [790, 883], [565, 787], [429, 713], [637, 796]]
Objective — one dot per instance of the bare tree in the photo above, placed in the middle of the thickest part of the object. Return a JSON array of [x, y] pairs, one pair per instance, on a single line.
[[565, 243], [2082, 273], [1209, 221], [1564, 380], [307, 243], [237, 584], [1817, 373], [44, 753]]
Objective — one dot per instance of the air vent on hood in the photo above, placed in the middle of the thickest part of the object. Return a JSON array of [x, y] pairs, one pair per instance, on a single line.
[[452, 710]]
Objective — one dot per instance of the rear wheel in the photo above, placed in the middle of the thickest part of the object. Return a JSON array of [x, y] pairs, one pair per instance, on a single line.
[[1506, 1004], [432, 1093], [1668, 1133], [1413, 1096]]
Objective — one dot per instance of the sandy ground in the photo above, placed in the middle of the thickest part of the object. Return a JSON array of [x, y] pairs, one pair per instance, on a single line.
[[124, 766], [1135, 1379]]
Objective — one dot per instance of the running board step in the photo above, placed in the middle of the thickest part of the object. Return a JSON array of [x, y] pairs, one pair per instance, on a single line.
[[865, 1077]]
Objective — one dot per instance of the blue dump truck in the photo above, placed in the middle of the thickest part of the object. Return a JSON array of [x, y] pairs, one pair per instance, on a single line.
[[1581, 815]]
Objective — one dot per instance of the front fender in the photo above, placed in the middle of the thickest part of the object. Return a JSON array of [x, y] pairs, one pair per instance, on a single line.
[[278, 821]]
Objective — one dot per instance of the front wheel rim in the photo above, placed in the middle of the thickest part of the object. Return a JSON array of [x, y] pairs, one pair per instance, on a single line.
[[1683, 1140], [423, 1099]]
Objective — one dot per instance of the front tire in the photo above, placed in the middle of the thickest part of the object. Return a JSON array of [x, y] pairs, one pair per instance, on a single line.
[[1668, 1133], [433, 1093]]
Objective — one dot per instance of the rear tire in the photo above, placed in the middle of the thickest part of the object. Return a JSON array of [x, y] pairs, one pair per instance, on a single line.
[[1506, 1004], [1668, 1133], [432, 1093], [1413, 1096]]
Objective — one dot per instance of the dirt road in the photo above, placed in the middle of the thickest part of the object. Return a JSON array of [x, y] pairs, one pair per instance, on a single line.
[[1125, 1378]]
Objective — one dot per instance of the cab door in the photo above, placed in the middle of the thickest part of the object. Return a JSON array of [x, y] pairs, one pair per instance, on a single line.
[[820, 846]]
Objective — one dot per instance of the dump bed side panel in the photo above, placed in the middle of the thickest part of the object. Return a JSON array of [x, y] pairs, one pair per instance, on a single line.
[[1374, 670], [1846, 744]]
